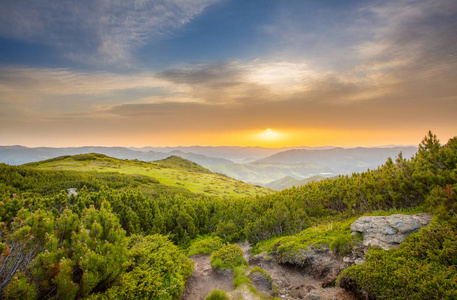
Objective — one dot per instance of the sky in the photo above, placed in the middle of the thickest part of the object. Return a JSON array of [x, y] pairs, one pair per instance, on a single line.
[[270, 73]]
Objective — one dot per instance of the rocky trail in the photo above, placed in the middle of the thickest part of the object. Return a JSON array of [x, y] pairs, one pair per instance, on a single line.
[[291, 282]]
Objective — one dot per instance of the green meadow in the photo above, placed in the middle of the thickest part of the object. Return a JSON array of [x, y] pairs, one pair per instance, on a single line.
[[172, 171]]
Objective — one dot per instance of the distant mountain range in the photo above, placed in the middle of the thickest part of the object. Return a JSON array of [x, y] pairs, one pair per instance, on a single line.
[[255, 165], [341, 160], [233, 153], [262, 173]]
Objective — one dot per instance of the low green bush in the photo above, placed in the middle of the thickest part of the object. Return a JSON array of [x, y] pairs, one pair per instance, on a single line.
[[290, 248], [228, 257], [218, 295], [240, 280], [204, 245], [343, 244], [424, 267], [239, 270]]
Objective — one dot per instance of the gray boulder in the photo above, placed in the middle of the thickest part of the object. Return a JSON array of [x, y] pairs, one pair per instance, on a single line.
[[389, 231]]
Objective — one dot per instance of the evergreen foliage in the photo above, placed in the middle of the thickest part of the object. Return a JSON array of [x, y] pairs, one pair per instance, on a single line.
[[425, 265], [218, 295], [228, 256], [109, 239], [204, 245]]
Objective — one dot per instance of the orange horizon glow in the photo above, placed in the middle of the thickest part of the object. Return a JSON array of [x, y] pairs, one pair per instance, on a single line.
[[267, 138]]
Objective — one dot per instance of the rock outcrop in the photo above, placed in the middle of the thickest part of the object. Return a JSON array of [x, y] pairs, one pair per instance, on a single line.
[[389, 231]]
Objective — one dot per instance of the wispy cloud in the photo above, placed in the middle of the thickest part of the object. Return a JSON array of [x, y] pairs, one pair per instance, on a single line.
[[402, 74], [100, 30], [47, 93]]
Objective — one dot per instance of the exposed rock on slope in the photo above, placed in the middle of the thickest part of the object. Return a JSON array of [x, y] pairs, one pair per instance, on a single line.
[[389, 231]]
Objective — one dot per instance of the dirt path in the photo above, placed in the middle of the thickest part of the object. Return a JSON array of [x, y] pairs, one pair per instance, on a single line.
[[204, 279], [292, 283]]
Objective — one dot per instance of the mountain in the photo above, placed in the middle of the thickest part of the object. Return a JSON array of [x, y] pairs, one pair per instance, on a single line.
[[233, 153], [341, 160], [289, 181], [255, 165], [263, 173], [17, 155], [201, 159], [173, 171]]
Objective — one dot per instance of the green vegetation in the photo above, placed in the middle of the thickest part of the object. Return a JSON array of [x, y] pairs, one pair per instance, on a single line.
[[240, 280], [156, 270], [425, 265], [228, 256], [289, 182], [75, 247], [172, 172], [336, 235], [109, 241], [239, 270], [29, 181], [204, 245], [218, 295]]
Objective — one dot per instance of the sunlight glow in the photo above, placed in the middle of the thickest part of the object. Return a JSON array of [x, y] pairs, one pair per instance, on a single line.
[[270, 135]]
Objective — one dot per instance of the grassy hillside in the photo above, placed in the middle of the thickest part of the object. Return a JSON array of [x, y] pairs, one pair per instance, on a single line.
[[173, 171]]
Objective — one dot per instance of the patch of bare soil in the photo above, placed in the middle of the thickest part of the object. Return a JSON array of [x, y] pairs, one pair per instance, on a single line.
[[292, 282], [204, 279]]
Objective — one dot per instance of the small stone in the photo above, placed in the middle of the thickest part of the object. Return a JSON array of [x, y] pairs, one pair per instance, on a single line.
[[314, 297], [329, 281], [359, 261], [298, 293], [310, 287]]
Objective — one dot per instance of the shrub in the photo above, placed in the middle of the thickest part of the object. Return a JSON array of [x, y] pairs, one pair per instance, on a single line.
[[343, 243], [228, 256], [240, 280], [217, 295], [239, 270], [157, 270], [204, 245], [424, 267], [228, 231]]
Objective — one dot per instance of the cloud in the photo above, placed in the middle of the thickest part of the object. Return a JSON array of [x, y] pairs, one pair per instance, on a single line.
[[413, 41], [101, 30], [47, 93], [403, 78]]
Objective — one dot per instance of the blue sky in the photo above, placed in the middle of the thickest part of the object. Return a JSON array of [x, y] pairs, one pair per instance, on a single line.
[[220, 72]]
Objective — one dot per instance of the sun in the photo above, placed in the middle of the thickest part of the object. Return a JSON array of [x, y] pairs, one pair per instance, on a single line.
[[270, 135]]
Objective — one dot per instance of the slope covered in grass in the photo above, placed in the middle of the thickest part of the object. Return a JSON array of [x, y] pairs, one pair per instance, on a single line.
[[173, 171]]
